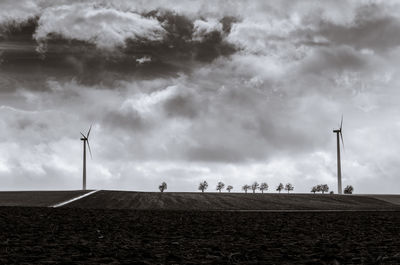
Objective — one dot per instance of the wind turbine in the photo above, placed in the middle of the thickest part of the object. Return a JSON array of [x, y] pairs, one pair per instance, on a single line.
[[339, 169], [85, 140]]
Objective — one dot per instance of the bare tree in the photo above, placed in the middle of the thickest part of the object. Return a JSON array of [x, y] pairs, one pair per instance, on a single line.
[[220, 186], [349, 189], [162, 187], [203, 186], [263, 186], [314, 189], [245, 188], [324, 188], [280, 187], [255, 186], [289, 187], [229, 188]]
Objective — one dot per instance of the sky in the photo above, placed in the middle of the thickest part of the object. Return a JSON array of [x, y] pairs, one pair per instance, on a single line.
[[186, 91]]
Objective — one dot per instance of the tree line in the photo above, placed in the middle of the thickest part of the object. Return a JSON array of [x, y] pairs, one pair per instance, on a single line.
[[255, 186], [325, 188], [203, 186]]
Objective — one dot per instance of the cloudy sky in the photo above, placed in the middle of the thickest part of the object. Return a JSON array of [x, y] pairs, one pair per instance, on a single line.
[[185, 91]]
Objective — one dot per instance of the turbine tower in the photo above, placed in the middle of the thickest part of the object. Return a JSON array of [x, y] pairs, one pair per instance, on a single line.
[[339, 169], [85, 140]]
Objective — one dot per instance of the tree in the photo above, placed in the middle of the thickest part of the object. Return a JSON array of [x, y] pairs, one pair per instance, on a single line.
[[280, 187], [162, 187], [263, 186], [203, 186], [255, 186], [229, 188], [319, 188], [314, 189], [220, 186], [349, 189], [289, 187], [245, 188], [324, 188]]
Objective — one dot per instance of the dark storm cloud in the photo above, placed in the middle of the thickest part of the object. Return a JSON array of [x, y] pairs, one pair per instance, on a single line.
[[26, 48], [179, 41]]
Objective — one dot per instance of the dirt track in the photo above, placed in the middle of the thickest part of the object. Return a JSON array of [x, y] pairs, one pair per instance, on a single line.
[[87, 236]]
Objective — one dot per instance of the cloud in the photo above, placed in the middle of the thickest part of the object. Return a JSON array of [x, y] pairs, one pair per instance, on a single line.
[[12, 12], [100, 44], [183, 92], [379, 34], [106, 28], [260, 36], [144, 59], [202, 28]]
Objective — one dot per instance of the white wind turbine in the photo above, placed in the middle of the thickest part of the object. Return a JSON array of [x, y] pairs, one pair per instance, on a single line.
[[85, 140], [339, 168]]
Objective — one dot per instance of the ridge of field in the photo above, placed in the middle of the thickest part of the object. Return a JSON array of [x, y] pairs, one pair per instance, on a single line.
[[106, 199], [37, 198], [392, 198]]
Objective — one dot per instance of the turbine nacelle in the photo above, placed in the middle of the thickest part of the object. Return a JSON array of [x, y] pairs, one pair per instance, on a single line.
[[86, 138], [339, 131]]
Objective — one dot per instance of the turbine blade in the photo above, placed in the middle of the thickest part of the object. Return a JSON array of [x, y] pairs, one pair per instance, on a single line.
[[90, 151], [89, 131], [83, 135], [341, 123], [341, 136]]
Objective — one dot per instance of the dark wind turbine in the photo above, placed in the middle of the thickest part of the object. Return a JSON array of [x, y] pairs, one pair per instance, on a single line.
[[85, 140]]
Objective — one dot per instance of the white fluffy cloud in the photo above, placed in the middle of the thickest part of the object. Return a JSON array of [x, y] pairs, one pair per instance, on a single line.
[[105, 27], [261, 36], [204, 27]]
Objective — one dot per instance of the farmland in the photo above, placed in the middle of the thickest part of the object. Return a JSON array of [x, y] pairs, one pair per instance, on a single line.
[[94, 236], [118, 227]]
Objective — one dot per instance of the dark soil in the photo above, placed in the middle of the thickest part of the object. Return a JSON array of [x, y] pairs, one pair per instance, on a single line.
[[227, 201], [88, 236], [37, 198]]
